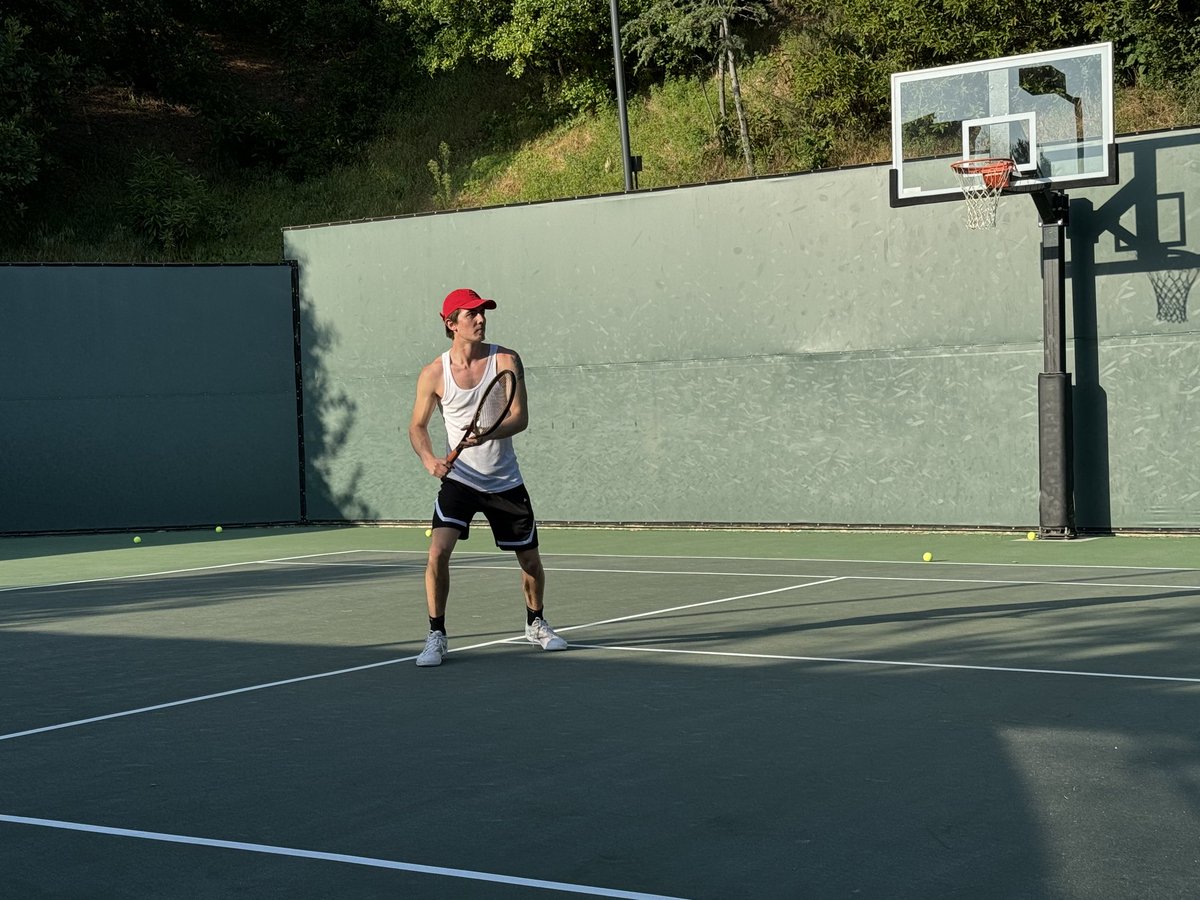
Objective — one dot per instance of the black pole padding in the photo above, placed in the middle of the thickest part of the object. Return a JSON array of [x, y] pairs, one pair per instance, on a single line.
[[1056, 461]]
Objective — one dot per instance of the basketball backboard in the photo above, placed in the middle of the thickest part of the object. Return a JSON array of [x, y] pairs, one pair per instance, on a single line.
[[1051, 113]]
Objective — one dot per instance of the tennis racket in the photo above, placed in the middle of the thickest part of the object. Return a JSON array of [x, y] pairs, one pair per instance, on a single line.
[[493, 406]]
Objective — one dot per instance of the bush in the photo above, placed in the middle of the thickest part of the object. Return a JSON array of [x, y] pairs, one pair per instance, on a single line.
[[253, 139], [169, 205], [1154, 41]]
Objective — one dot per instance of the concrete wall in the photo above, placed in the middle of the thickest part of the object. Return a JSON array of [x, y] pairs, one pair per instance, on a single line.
[[776, 350]]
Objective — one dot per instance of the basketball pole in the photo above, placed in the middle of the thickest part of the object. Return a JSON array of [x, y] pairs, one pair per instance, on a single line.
[[627, 159], [1056, 463]]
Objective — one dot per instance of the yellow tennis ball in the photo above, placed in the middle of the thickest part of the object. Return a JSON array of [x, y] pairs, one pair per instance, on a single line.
[[218, 529], [1032, 536], [137, 539], [428, 532], [927, 557]]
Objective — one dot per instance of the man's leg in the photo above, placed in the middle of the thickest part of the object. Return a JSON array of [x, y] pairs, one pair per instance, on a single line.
[[533, 578], [437, 571], [437, 592], [533, 583]]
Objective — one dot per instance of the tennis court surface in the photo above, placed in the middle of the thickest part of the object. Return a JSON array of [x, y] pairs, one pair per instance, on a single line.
[[740, 715]]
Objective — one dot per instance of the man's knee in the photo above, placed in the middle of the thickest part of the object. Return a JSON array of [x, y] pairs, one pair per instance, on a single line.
[[439, 555], [530, 562]]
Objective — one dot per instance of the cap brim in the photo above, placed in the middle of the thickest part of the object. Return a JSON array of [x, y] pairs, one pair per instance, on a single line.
[[482, 304]]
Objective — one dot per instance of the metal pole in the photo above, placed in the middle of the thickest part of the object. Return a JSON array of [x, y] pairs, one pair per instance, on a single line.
[[1055, 421], [619, 68]]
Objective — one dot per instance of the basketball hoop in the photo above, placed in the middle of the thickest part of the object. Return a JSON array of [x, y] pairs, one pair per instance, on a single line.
[[982, 182]]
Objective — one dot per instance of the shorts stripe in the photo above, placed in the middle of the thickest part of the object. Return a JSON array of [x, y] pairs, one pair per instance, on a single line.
[[516, 545], [437, 508]]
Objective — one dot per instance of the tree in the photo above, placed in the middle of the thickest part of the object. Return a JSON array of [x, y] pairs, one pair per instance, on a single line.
[[33, 91], [566, 43], [675, 35]]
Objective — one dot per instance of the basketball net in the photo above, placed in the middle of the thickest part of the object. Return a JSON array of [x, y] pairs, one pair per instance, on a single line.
[[982, 182]]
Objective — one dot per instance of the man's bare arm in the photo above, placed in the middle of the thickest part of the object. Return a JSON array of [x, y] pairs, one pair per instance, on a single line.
[[424, 406]]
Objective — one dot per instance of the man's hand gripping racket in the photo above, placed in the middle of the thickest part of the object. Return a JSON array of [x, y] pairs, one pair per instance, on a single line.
[[493, 407]]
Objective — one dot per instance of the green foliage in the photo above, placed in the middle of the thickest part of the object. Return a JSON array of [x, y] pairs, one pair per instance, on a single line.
[[33, 90], [444, 194], [142, 44], [563, 34], [841, 77], [256, 139], [348, 61], [565, 43], [168, 205], [360, 77], [577, 92], [333, 114], [1158, 40], [682, 36], [450, 32], [20, 159]]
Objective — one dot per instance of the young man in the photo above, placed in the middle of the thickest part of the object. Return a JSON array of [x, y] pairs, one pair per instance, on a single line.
[[485, 477]]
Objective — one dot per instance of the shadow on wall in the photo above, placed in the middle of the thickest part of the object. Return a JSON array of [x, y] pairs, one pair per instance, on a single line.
[[329, 416], [1149, 231]]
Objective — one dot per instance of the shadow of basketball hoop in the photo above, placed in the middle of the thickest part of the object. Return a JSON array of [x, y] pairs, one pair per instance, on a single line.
[[1146, 220], [1171, 289]]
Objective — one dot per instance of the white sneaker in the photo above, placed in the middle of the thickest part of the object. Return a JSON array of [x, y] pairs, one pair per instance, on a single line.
[[435, 649], [542, 634]]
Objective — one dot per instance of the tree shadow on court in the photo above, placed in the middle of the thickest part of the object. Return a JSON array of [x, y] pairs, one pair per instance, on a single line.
[[1145, 633], [218, 591], [699, 778], [761, 762], [35, 546]]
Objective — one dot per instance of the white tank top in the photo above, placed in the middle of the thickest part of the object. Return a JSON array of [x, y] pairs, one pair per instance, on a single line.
[[492, 466]]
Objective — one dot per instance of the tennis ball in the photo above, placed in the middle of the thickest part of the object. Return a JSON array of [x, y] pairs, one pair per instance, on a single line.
[[1032, 536], [218, 529], [927, 557], [137, 539], [428, 532]]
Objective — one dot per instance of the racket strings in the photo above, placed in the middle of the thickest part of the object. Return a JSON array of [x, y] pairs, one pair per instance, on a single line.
[[494, 405]]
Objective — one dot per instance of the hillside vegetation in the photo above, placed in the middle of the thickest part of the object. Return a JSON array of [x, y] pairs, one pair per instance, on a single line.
[[194, 130]]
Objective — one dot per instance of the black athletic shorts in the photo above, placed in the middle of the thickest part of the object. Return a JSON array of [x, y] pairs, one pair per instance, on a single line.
[[510, 513]]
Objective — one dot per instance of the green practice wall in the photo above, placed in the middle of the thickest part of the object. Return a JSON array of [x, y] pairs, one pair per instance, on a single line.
[[137, 396], [775, 350]]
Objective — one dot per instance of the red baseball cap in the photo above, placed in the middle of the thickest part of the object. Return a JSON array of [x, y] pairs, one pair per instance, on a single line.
[[464, 298]]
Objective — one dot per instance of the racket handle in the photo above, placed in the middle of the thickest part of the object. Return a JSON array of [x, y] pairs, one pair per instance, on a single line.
[[454, 454]]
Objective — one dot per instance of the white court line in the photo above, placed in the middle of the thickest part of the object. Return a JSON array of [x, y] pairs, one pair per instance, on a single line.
[[659, 612], [791, 575], [233, 692], [886, 662], [563, 887], [813, 559], [1074, 540], [1021, 583], [218, 695], [234, 565], [297, 560], [375, 665], [512, 567]]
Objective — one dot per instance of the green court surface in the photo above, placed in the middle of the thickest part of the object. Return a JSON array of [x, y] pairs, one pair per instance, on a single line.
[[740, 715]]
